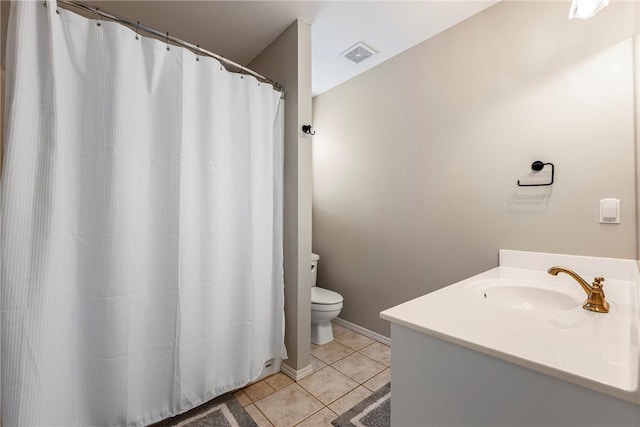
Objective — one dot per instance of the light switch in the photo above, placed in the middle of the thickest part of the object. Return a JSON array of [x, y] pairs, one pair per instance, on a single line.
[[610, 211]]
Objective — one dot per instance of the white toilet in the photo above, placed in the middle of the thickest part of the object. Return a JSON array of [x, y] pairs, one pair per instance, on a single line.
[[325, 306]]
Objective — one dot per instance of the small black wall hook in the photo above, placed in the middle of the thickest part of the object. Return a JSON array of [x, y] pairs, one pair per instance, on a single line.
[[307, 130], [537, 166]]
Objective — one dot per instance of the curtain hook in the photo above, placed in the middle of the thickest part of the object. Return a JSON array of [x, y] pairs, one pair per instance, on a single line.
[[197, 57], [138, 31], [167, 40], [97, 16], [44, 3]]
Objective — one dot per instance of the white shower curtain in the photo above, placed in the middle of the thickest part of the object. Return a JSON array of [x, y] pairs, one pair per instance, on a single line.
[[141, 225]]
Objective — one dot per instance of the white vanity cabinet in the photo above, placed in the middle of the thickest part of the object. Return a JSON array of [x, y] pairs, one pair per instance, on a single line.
[[438, 383], [466, 355]]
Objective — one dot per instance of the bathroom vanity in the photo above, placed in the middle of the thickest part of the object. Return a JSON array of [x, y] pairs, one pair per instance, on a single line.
[[514, 347]]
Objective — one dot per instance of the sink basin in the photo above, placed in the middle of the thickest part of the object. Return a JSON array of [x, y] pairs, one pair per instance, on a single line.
[[531, 296]]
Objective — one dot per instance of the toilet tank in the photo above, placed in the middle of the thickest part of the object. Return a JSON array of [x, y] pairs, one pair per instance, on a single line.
[[314, 268]]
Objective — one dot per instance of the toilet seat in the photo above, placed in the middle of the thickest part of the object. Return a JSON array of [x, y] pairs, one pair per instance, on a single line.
[[324, 296], [326, 307], [325, 300]]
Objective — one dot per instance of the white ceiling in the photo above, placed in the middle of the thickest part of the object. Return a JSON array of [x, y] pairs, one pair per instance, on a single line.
[[389, 27], [240, 29]]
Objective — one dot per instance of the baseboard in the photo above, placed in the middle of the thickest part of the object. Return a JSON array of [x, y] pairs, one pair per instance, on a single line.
[[296, 375], [362, 331]]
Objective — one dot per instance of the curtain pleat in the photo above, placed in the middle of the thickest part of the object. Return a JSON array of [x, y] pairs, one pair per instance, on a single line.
[[141, 225]]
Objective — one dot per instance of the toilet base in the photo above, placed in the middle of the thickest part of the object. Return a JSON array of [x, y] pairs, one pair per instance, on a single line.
[[321, 333]]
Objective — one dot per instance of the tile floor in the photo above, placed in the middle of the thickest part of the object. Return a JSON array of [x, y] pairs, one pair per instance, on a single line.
[[345, 371]]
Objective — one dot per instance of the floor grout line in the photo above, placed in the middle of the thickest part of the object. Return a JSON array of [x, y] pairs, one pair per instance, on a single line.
[[326, 364], [263, 414]]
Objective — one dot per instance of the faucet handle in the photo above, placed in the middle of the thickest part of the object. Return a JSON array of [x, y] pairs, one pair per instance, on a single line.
[[597, 284], [596, 301]]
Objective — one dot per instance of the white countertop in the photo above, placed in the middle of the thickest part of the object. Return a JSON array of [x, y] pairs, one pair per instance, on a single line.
[[596, 350]]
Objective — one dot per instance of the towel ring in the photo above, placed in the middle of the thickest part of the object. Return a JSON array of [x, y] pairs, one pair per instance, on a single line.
[[537, 166]]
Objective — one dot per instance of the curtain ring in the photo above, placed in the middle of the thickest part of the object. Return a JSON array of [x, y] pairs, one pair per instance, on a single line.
[[97, 16], [167, 40], [138, 31], [197, 57]]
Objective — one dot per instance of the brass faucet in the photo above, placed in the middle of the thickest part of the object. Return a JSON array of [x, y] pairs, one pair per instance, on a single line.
[[596, 300]]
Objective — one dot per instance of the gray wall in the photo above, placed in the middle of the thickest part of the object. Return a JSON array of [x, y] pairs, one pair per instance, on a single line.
[[288, 61], [415, 162]]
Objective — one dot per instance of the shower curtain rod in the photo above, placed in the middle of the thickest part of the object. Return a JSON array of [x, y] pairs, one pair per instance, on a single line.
[[166, 36]]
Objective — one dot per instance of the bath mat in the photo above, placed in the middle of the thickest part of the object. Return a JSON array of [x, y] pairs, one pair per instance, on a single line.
[[374, 411], [223, 411]]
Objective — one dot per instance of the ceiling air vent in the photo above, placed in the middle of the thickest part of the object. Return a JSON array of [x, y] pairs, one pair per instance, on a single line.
[[358, 53]]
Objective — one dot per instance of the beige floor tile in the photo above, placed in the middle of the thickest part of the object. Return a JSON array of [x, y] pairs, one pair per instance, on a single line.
[[258, 390], [321, 418], [327, 384], [350, 400], [317, 364], [358, 367], [288, 406], [278, 381], [258, 416], [331, 352], [338, 330], [379, 380], [353, 340], [242, 398], [379, 352]]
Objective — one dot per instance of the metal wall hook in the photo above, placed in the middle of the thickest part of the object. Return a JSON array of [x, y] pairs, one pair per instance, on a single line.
[[306, 129], [537, 166]]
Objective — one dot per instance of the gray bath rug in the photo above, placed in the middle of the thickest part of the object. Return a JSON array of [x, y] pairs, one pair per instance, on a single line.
[[223, 411], [374, 411]]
